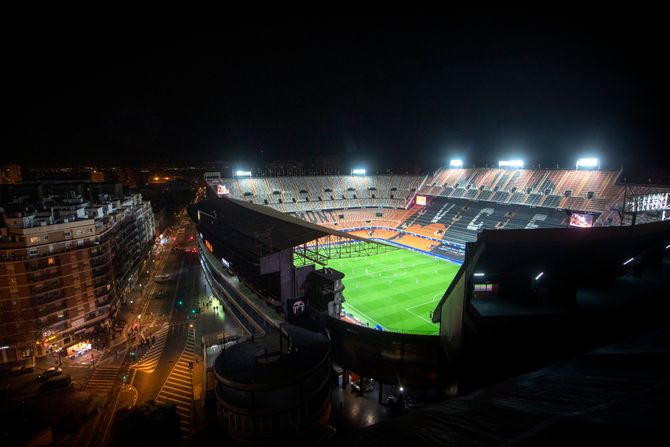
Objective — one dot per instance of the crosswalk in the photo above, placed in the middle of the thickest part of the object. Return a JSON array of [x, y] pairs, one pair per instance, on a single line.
[[149, 360], [103, 379], [178, 388]]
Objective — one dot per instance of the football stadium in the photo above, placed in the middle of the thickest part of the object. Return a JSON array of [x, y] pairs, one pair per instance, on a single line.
[[425, 282], [429, 220]]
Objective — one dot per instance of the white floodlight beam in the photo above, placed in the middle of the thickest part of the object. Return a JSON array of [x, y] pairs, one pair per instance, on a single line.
[[629, 261], [510, 164], [456, 163], [539, 276], [588, 163], [479, 274]]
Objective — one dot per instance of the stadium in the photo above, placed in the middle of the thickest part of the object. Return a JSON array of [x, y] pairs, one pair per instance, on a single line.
[[430, 219], [410, 275]]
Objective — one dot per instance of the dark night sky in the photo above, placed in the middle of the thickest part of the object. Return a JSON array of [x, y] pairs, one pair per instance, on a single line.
[[386, 92]]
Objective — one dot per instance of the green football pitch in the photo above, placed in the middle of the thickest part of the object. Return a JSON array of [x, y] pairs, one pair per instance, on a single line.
[[396, 290]]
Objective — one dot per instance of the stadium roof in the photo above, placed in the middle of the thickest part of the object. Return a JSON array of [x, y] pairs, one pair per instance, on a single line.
[[579, 252], [256, 221]]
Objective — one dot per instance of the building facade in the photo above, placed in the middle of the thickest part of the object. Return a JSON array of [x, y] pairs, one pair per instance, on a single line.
[[10, 174], [64, 265]]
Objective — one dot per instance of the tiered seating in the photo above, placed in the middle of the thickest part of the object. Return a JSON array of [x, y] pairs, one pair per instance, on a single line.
[[545, 188], [460, 220], [526, 186], [417, 242], [384, 234]]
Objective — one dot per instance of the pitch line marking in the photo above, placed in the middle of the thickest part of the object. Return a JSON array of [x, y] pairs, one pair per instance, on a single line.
[[364, 315]]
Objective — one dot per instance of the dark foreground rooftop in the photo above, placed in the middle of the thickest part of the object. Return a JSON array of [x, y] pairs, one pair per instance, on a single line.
[[612, 396]]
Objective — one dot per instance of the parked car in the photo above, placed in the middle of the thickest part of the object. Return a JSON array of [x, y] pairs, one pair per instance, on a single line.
[[51, 372], [162, 278], [53, 383], [364, 386]]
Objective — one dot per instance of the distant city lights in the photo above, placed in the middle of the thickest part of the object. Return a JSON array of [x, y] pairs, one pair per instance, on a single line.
[[510, 164], [456, 163], [588, 163], [239, 173], [358, 171]]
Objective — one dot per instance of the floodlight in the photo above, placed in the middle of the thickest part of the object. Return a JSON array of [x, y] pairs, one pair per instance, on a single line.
[[456, 163], [358, 171], [510, 164], [588, 163], [539, 276], [479, 274], [629, 261], [239, 173]]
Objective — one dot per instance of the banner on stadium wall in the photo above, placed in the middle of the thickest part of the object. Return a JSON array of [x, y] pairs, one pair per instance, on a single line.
[[222, 190], [648, 202], [581, 220]]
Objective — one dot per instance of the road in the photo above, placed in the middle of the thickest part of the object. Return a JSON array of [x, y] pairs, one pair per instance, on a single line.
[[163, 372]]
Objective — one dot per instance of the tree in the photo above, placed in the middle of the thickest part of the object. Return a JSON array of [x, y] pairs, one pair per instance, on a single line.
[[150, 423]]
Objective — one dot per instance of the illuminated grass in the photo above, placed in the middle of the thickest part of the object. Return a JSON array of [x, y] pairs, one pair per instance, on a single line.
[[396, 290]]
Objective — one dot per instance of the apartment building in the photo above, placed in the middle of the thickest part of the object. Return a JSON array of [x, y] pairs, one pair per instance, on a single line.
[[64, 264]]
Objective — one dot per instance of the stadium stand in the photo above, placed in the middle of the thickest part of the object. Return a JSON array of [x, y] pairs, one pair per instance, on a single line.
[[460, 202]]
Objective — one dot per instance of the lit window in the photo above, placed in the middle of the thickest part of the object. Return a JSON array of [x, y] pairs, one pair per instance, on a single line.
[[51, 261], [34, 239]]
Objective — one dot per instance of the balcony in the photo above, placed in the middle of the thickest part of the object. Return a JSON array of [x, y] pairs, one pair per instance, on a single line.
[[43, 277], [38, 289], [99, 272]]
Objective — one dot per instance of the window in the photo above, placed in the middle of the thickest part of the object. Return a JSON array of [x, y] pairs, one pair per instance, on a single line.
[[34, 239], [46, 237], [484, 288], [67, 234], [32, 252], [51, 261]]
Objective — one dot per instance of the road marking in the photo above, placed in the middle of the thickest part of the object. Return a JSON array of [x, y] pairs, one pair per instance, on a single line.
[[178, 387], [149, 361], [103, 379]]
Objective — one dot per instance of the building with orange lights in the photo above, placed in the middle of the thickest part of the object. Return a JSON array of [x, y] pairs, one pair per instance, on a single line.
[[64, 266]]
